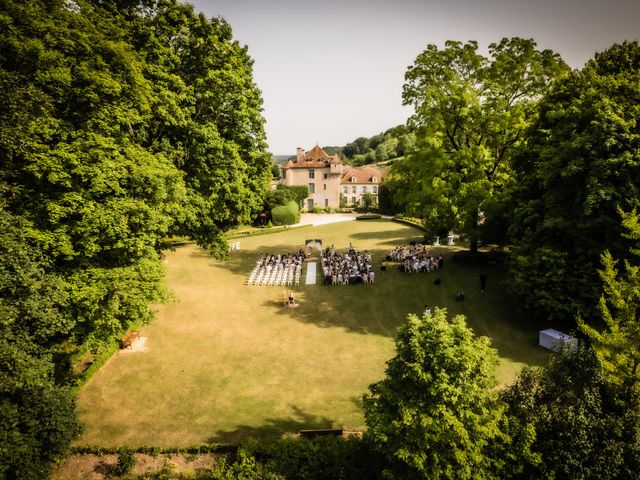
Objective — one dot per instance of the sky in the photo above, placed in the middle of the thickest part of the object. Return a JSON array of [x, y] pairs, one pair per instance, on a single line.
[[332, 70]]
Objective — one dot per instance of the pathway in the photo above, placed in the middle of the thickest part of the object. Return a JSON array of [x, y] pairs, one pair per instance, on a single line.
[[311, 273]]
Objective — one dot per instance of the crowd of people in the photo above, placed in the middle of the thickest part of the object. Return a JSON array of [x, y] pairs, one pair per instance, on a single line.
[[351, 268], [415, 258]]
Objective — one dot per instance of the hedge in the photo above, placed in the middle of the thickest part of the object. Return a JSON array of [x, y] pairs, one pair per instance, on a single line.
[[368, 216], [286, 215], [408, 222]]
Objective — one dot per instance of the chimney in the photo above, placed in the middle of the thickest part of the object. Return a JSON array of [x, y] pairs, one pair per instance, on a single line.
[[300, 154]]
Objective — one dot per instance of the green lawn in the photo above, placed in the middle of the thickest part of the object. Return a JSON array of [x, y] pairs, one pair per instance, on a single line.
[[225, 361]]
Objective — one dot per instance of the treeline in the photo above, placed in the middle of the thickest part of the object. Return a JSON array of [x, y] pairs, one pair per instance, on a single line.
[[515, 149], [121, 123], [388, 145]]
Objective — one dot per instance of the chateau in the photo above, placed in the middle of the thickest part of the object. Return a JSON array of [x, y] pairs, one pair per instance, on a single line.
[[328, 178]]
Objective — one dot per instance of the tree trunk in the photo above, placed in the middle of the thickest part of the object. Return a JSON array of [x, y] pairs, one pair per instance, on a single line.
[[473, 244], [473, 233]]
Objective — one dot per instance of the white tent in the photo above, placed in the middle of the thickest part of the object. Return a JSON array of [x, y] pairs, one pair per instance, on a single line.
[[553, 340]]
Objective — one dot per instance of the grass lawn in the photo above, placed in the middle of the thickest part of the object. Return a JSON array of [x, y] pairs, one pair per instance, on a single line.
[[225, 361]]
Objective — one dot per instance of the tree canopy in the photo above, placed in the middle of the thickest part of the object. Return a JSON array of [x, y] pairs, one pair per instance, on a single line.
[[580, 163], [434, 414], [471, 113], [121, 123]]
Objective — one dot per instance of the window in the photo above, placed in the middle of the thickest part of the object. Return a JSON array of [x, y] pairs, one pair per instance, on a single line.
[[354, 189], [364, 189], [374, 180], [353, 179], [326, 202], [324, 186], [353, 200], [326, 175], [311, 174], [345, 189], [375, 189], [312, 188], [283, 174]]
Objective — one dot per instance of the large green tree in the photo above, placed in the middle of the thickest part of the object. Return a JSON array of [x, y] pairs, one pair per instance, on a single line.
[[435, 414], [37, 416], [121, 122], [581, 162], [584, 426], [617, 343], [471, 113]]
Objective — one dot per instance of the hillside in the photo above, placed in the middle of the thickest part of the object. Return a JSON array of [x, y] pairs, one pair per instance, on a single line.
[[383, 147]]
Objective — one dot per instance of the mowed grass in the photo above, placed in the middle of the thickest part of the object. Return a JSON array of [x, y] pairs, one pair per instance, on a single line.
[[225, 361]]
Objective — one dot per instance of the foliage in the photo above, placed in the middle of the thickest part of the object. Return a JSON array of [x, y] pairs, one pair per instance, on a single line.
[[583, 427], [244, 467], [369, 216], [37, 417], [390, 144], [581, 163], [471, 112], [434, 415], [368, 201], [286, 215], [283, 194], [385, 197], [318, 458], [120, 123], [275, 171], [126, 461], [617, 345]]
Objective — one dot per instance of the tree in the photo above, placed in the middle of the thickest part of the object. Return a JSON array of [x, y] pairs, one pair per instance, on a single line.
[[583, 427], [579, 165], [368, 201], [435, 415], [471, 113], [37, 417], [617, 345], [283, 194]]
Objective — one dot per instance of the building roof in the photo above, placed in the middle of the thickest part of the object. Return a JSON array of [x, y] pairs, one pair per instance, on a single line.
[[363, 174], [314, 158]]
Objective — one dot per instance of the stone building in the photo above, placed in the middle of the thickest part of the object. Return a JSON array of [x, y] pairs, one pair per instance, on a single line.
[[355, 182], [327, 178]]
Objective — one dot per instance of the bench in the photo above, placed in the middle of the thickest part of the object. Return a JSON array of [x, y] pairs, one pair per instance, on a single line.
[[127, 342], [322, 432]]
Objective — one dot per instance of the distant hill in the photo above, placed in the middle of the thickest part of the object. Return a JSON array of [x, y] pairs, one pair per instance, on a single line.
[[281, 158], [383, 147]]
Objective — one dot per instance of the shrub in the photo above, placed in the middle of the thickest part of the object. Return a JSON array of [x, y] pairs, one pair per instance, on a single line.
[[286, 215], [319, 458], [126, 461], [317, 209], [368, 216]]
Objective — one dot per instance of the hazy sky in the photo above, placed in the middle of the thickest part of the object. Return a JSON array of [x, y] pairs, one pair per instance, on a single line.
[[332, 70]]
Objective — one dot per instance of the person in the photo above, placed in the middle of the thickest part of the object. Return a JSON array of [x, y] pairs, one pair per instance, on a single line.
[[292, 300], [483, 282], [383, 267], [427, 310]]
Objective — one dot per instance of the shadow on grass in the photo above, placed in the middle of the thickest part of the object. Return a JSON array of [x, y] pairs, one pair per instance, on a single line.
[[380, 309], [274, 427], [396, 235]]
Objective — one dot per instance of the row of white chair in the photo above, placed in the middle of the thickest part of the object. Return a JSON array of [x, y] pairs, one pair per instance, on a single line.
[[279, 276]]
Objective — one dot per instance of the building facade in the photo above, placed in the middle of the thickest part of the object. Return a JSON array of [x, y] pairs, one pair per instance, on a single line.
[[356, 181], [328, 178]]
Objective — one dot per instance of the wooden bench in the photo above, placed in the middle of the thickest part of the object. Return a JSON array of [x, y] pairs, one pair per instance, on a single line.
[[322, 432], [128, 340]]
